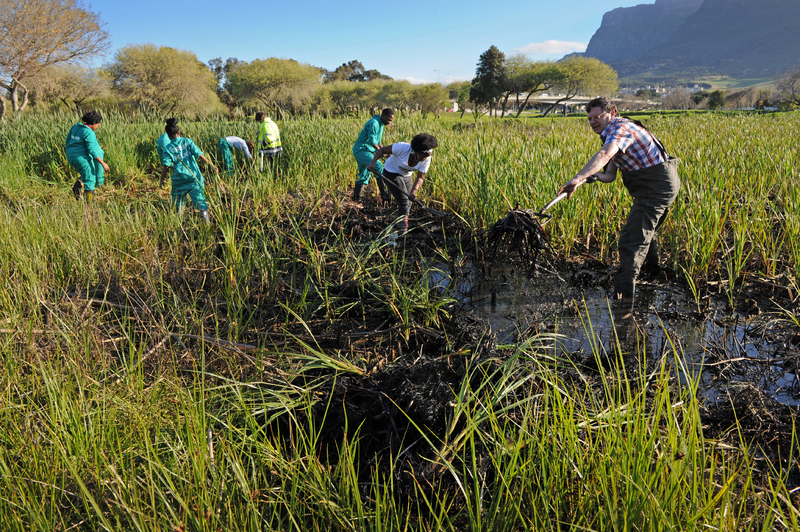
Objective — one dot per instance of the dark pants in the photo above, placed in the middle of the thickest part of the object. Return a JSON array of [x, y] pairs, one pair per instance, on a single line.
[[654, 189], [400, 187]]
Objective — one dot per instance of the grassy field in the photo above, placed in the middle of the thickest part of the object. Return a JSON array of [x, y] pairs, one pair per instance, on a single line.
[[158, 374]]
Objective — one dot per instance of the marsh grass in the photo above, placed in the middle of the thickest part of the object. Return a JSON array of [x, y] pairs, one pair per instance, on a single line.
[[144, 388]]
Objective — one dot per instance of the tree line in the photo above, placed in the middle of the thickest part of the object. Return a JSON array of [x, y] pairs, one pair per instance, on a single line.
[[46, 47]]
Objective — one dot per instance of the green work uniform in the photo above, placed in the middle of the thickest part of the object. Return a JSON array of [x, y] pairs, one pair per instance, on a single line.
[[180, 155], [364, 149], [82, 153], [161, 143]]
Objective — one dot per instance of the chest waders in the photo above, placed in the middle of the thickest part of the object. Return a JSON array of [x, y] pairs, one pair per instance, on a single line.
[[653, 189]]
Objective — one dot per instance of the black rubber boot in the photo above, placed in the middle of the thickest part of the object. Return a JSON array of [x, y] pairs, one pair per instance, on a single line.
[[77, 189], [357, 191]]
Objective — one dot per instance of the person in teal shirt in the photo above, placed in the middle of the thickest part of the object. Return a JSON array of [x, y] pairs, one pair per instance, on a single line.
[[163, 140], [180, 155], [368, 141], [86, 155]]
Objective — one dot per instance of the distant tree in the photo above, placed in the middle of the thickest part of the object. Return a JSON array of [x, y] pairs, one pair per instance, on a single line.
[[679, 98], [162, 78], [71, 84], [742, 99], [788, 86], [699, 98], [716, 100], [490, 79], [528, 77], [353, 71], [647, 94], [459, 91], [395, 94], [35, 34], [430, 98], [583, 75], [277, 84], [221, 71], [764, 97]]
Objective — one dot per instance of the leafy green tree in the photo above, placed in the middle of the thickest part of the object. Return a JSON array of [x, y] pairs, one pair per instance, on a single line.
[[583, 75], [490, 79], [71, 84], [36, 34], [221, 71], [430, 98], [395, 94], [278, 84], [162, 78], [528, 77], [716, 100], [459, 91], [353, 71]]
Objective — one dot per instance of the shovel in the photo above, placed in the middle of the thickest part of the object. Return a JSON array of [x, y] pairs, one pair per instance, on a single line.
[[425, 208], [591, 179]]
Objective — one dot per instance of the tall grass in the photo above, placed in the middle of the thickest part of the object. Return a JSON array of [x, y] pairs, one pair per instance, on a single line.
[[120, 412]]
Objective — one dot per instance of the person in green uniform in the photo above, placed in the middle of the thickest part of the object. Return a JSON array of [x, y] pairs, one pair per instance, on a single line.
[[86, 155], [269, 138], [227, 145], [368, 141], [163, 140], [180, 155]]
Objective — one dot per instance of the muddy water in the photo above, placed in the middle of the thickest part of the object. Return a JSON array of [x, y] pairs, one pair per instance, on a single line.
[[727, 350]]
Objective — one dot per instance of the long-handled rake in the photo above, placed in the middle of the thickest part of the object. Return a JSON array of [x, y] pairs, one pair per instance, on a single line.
[[424, 207]]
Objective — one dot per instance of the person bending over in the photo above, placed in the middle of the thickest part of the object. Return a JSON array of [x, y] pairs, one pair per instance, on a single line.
[[405, 159]]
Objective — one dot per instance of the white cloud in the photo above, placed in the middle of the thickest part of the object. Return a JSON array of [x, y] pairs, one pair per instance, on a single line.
[[552, 47]]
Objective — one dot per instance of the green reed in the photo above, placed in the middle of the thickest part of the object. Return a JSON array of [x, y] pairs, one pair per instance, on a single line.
[[117, 415]]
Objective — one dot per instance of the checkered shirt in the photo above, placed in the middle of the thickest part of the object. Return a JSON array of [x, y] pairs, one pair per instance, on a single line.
[[638, 148]]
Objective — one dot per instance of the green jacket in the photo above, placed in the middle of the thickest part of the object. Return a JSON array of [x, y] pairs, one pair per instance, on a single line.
[[82, 143], [371, 134], [180, 156]]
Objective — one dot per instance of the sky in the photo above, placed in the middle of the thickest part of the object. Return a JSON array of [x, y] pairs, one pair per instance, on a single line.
[[421, 41]]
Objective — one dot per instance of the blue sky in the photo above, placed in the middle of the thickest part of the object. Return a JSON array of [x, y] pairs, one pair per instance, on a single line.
[[422, 41]]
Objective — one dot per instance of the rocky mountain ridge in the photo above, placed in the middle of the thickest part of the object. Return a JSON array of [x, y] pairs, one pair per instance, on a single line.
[[738, 38]]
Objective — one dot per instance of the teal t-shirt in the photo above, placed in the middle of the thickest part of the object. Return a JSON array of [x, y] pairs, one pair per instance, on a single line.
[[180, 156], [82, 143], [161, 143], [371, 134]]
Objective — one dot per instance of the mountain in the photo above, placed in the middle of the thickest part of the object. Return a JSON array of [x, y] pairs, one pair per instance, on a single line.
[[738, 38]]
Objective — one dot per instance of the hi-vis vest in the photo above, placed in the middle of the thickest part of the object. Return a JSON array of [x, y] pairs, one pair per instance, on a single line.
[[268, 134]]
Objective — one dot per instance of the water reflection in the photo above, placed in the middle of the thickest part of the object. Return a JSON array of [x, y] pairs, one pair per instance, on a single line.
[[730, 351]]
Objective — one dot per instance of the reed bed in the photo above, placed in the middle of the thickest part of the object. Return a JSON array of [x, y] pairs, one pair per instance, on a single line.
[[161, 375]]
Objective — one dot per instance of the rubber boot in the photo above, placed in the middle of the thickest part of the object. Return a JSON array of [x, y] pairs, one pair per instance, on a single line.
[[357, 191], [77, 189], [88, 196], [206, 218], [386, 196]]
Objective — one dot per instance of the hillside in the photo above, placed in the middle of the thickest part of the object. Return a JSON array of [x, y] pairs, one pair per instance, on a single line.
[[738, 38]]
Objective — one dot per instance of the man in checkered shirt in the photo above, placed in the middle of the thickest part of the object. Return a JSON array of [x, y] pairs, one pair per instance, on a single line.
[[649, 174]]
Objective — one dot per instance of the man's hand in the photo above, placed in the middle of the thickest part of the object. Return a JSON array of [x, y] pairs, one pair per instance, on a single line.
[[571, 186]]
